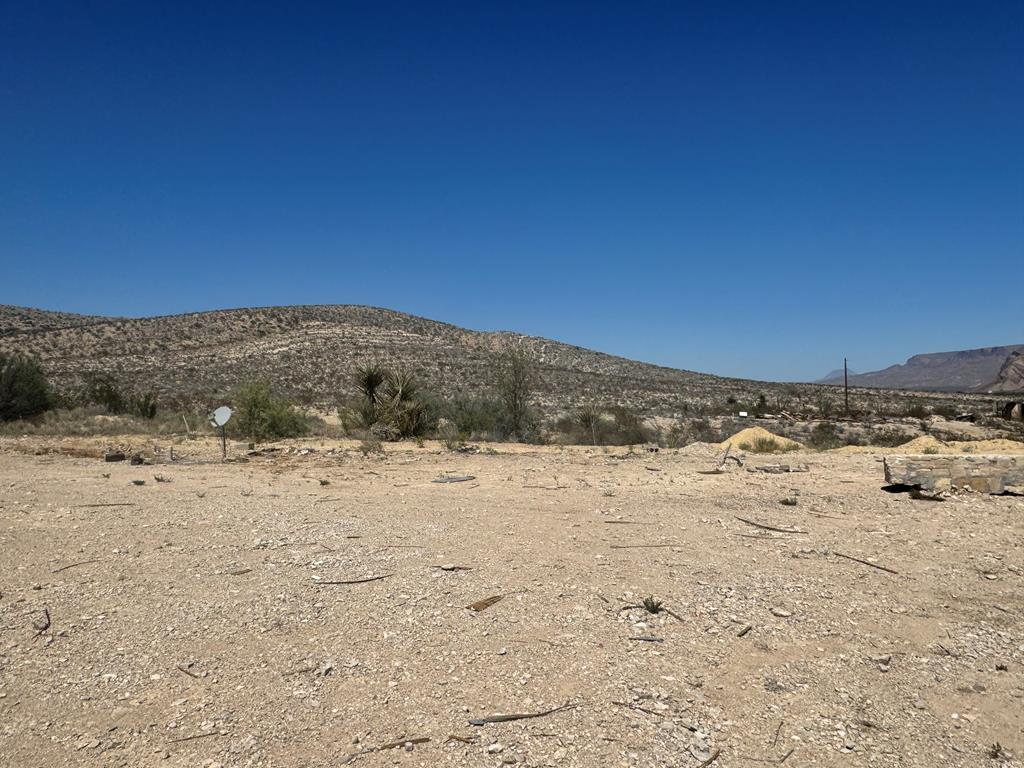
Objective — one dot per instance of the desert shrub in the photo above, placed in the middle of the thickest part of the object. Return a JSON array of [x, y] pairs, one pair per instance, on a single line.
[[615, 425], [915, 411], [370, 446], [24, 389], [588, 418], [449, 434], [888, 437], [761, 407], [103, 389], [676, 437], [477, 418], [825, 436], [262, 415], [515, 378]]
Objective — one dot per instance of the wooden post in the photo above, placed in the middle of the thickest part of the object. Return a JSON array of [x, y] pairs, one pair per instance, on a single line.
[[223, 444], [846, 387]]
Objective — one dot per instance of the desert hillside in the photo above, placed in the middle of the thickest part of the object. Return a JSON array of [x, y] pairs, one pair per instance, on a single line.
[[310, 351]]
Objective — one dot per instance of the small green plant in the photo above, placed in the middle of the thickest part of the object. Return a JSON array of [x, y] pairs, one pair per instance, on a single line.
[[930, 450], [651, 605]]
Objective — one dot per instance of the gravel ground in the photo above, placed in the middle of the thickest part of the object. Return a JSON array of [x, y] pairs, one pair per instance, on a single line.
[[194, 625]]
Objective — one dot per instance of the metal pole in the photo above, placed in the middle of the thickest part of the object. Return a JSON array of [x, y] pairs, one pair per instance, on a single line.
[[846, 387], [223, 444]]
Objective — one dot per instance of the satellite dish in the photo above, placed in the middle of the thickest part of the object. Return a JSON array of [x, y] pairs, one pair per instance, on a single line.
[[220, 416]]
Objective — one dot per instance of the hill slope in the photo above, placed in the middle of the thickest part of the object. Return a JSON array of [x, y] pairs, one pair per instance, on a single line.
[[309, 352], [968, 370]]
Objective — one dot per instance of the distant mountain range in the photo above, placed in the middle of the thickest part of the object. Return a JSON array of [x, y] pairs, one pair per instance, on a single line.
[[969, 370]]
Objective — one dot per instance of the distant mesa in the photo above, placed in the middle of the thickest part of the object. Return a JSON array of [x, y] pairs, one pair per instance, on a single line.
[[969, 370], [1011, 375]]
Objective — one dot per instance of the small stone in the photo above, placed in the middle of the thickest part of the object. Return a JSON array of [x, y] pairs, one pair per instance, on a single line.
[[782, 613], [495, 748]]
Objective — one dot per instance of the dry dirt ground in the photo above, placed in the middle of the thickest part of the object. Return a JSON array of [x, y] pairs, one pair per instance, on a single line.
[[194, 624]]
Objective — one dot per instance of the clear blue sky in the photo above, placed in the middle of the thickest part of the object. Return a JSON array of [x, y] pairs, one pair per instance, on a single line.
[[746, 189]]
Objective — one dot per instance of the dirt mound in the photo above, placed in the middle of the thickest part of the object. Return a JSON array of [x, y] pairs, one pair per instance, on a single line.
[[921, 444], [700, 450], [929, 444], [751, 435]]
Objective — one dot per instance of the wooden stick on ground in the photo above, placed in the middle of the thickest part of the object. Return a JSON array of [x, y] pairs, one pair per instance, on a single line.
[[196, 736], [354, 581], [865, 562], [526, 716], [768, 527], [73, 565]]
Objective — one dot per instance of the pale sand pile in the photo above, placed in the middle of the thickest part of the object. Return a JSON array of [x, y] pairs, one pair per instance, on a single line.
[[700, 450], [749, 435], [932, 445]]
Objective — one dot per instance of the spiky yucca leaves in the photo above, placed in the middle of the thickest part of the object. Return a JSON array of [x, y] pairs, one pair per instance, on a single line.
[[401, 406], [369, 379], [390, 404]]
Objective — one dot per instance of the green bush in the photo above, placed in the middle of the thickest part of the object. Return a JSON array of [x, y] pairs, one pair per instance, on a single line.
[[24, 389], [262, 415]]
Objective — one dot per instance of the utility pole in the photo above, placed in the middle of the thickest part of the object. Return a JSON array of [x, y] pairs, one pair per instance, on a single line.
[[846, 386]]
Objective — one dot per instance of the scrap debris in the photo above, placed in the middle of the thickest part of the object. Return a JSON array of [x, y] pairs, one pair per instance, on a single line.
[[454, 479]]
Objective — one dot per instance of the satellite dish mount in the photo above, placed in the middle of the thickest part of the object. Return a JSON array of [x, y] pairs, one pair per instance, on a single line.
[[218, 419]]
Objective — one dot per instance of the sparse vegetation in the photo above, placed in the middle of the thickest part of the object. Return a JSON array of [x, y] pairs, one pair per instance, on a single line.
[[824, 436], [767, 445], [24, 389], [615, 425], [515, 379], [371, 446], [262, 415]]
